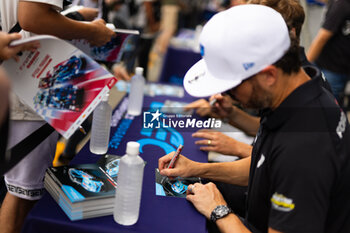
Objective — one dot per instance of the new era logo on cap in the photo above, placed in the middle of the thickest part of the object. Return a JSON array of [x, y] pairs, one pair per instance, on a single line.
[[202, 50], [249, 65]]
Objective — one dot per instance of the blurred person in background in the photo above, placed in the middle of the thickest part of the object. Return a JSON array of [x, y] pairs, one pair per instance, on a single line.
[[157, 22], [330, 49], [7, 52], [141, 15], [4, 124], [81, 10], [168, 26], [25, 181]]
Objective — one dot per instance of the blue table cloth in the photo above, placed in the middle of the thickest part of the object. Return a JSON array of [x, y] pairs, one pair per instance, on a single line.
[[157, 213]]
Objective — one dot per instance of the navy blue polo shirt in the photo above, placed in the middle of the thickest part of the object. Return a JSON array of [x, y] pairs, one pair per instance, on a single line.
[[300, 169]]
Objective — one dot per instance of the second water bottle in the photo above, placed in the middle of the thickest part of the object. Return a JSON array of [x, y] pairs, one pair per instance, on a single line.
[[101, 125], [136, 92]]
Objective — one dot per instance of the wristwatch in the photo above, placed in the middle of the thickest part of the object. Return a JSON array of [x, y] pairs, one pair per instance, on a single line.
[[219, 212]]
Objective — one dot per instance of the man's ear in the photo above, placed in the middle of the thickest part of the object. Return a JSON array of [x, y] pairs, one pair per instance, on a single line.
[[293, 32], [268, 76]]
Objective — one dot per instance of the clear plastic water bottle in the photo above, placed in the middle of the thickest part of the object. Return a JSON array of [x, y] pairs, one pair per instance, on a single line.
[[136, 92], [128, 192], [101, 125]]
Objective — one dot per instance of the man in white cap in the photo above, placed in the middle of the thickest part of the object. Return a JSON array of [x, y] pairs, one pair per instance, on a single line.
[[297, 174]]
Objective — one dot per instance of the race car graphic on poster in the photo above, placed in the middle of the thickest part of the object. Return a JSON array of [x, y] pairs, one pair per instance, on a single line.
[[60, 82], [85, 180], [109, 165], [176, 187]]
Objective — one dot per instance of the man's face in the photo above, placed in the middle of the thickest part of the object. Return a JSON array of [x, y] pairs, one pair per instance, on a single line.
[[251, 94]]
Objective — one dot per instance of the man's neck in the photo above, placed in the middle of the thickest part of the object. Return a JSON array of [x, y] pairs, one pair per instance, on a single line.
[[287, 84]]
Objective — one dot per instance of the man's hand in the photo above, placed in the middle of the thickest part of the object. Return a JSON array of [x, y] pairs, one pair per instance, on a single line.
[[205, 197], [120, 72], [102, 34], [183, 167], [88, 13], [221, 143], [42, 18], [223, 108], [7, 51], [201, 106]]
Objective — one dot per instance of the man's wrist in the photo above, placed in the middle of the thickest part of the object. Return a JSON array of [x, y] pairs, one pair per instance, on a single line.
[[83, 30], [237, 150], [243, 149], [197, 169], [232, 115], [230, 215], [220, 212], [203, 170]]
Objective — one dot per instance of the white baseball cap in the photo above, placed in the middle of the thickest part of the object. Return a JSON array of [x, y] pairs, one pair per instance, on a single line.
[[236, 44]]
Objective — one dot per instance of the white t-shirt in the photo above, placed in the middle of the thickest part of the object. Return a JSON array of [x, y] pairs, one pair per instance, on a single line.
[[8, 11]]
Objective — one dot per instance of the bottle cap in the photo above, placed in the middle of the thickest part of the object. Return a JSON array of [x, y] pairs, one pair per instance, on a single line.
[[133, 148], [139, 71]]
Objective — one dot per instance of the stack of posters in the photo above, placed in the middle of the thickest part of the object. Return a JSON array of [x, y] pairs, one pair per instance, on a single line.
[[85, 190]]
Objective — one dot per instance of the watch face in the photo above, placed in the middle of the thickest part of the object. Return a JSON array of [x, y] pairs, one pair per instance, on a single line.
[[219, 212]]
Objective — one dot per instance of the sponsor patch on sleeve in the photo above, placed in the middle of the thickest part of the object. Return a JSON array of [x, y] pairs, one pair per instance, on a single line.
[[282, 203]]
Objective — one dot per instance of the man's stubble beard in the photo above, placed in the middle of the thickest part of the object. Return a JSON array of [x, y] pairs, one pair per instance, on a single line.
[[260, 98]]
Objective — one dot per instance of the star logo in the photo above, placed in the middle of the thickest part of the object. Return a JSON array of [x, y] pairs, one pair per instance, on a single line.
[[156, 115]]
